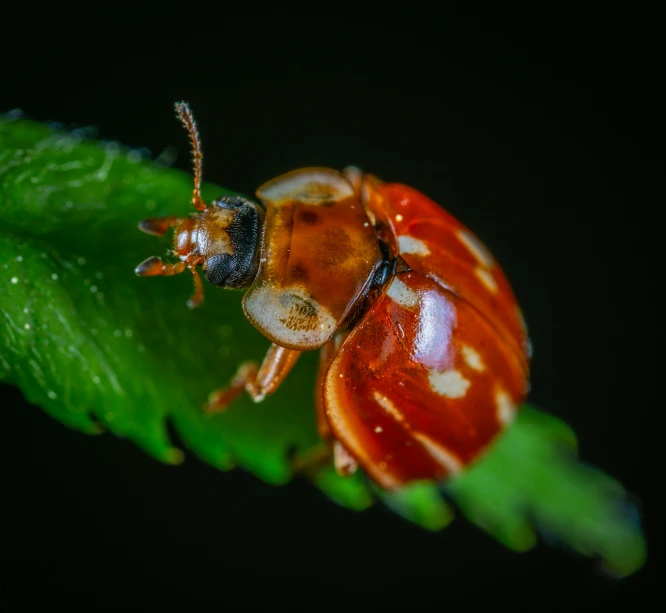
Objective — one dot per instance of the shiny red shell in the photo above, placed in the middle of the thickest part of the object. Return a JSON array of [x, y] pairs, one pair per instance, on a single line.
[[438, 364]]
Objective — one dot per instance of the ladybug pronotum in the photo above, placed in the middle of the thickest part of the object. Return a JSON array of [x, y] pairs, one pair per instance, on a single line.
[[424, 352]]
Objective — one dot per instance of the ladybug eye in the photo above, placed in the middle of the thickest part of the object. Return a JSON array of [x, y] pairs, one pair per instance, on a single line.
[[232, 262], [224, 270]]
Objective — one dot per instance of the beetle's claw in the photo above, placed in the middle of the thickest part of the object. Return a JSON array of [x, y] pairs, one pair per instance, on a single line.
[[154, 266], [194, 302], [197, 298], [150, 267], [157, 226]]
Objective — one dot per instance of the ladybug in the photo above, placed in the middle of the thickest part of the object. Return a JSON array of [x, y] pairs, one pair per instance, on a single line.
[[424, 351]]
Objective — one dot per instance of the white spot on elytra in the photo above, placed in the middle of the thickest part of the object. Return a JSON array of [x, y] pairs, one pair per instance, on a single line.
[[402, 294], [388, 406], [399, 217], [19, 258], [51, 394], [449, 383], [472, 358], [27, 326], [379, 429], [476, 248], [506, 410], [14, 280], [440, 454], [408, 244], [54, 276], [486, 278]]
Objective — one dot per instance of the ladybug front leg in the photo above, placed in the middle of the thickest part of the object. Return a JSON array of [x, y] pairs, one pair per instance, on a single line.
[[157, 226], [258, 382]]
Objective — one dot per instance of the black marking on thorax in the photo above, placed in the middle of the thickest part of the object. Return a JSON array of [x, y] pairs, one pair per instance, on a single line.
[[381, 277]]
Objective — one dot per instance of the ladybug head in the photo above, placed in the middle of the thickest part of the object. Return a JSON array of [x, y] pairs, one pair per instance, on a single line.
[[222, 238]]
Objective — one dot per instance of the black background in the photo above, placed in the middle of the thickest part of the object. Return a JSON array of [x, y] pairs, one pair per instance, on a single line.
[[540, 132]]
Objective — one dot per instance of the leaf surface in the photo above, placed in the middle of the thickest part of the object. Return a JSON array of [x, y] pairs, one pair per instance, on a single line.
[[100, 349]]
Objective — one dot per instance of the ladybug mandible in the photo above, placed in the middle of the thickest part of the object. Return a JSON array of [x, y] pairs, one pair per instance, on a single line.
[[424, 352]]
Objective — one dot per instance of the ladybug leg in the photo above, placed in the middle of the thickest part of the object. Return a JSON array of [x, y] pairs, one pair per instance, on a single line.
[[154, 266], [258, 382], [344, 462], [157, 226], [245, 378], [310, 461]]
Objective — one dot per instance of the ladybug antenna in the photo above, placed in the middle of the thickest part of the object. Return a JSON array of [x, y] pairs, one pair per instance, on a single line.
[[185, 115]]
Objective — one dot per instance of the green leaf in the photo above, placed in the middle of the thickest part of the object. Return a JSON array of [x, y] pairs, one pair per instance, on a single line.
[[532, 479], [98, 348]]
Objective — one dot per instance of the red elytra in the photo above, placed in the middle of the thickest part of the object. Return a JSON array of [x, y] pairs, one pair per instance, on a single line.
[[424, 352]]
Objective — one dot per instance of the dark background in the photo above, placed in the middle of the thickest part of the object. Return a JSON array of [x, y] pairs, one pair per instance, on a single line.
[[540, 132]]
